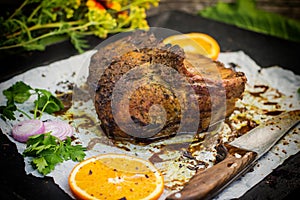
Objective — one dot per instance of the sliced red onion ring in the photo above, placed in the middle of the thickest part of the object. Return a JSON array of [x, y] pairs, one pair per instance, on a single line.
[[23, 130], [59, 129]]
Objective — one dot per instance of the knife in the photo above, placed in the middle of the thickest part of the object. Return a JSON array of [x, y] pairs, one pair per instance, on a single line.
[[241, 155]]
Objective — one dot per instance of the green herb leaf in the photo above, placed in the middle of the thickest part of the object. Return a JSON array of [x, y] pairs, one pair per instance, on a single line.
[[244, 14], [7, 112], [40, 163], [78, 41], [54, 105], [19, 92], [47, 102], [75, 153], [35, 140], [34, 46], [47, 151], [52, 39]]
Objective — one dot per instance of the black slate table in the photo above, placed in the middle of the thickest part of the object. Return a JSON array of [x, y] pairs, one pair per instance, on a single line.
[[282, 183]]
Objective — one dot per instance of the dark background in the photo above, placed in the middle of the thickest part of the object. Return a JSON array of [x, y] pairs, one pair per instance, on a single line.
[[282, 183], [287, 8]]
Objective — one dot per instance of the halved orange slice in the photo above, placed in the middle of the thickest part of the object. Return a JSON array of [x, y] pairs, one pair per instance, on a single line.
[[200, 43], [116, 176]]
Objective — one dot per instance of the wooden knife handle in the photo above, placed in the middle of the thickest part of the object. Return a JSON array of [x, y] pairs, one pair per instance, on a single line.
[[205, 184]]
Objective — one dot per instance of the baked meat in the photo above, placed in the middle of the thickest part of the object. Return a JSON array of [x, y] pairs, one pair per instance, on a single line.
[[144, 90]]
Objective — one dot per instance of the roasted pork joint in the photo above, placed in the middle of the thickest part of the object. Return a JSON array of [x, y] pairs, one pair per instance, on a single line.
[[147, 90]]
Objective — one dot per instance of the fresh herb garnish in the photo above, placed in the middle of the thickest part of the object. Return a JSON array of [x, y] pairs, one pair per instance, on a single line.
[[35, 24], [21, 92], [47, 151], [7, 112]]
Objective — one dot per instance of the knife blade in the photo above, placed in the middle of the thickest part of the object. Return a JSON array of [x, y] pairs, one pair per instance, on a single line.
[[241, 155]]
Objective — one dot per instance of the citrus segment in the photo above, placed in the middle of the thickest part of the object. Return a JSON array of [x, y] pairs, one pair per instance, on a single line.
[[200, 43], [116, 176]]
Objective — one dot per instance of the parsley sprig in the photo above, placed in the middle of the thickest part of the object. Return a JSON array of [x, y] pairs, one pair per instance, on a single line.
[[20, 93], [47, 151]]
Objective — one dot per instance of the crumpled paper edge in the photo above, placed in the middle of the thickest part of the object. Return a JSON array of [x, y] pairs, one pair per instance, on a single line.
[[278, 78], [274, 76]]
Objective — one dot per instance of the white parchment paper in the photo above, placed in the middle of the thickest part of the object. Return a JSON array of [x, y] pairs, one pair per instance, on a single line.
[[55, 76]]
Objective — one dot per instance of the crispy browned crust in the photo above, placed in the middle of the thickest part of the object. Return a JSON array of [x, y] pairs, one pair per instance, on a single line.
[[207, 78]]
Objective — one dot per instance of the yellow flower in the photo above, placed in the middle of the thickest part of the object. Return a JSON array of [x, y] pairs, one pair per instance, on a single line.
[[113, 5], [93, 4]]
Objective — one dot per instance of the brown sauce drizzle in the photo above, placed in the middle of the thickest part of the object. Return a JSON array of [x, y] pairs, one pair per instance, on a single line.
[[278, 94], [257, 94], [88, 121], [81, 93], [98, 140], [270, 103], [239, 132], [273, 112], [250, 125], [265, 87], [66, 98]]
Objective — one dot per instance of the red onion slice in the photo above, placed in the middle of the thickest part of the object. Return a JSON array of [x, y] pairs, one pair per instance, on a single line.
[[23, 130], [59, 129]]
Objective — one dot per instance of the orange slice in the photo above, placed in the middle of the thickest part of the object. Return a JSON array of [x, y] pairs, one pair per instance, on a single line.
[[116, 176], [200, 43]]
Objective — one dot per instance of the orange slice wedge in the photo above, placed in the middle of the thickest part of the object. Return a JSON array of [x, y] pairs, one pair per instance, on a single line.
[[200, 43], [116, 176]]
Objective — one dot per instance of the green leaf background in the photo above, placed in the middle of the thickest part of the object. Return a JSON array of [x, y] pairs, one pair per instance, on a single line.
[[245, 14]]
